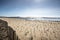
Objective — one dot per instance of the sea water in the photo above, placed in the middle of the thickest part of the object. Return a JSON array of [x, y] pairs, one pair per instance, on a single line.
[[49, 19]]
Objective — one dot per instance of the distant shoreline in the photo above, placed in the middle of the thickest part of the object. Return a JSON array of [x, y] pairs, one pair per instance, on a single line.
[[57, 19]]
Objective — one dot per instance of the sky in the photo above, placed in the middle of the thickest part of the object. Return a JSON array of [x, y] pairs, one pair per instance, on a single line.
[[30, 8]]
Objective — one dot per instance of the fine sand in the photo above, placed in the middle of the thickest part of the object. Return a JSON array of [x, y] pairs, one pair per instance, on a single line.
[[34, 30]]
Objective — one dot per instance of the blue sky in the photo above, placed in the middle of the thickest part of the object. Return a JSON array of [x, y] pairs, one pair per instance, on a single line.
[[30, 8]]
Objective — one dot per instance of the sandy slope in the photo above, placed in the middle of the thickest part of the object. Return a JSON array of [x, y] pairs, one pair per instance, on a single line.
[[35, 30]]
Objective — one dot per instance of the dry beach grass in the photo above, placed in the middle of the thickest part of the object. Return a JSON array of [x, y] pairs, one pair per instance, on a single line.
[[34, 30]]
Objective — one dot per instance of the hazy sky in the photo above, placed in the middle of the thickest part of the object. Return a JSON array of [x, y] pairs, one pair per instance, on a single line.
[[33, 8]]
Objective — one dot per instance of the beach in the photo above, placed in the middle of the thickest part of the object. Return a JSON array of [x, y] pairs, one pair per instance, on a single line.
[[34, 29]]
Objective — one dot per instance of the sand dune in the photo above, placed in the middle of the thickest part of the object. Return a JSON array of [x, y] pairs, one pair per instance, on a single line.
[[34, 30]]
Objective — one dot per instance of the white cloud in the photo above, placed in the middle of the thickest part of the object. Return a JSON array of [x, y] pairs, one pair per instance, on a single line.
[[40, 12], [36, 12]]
